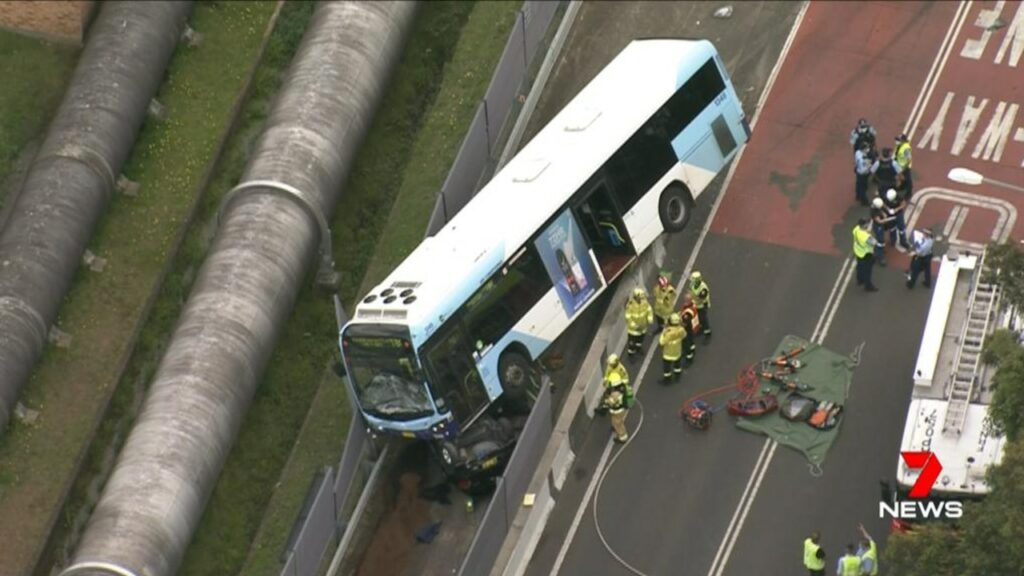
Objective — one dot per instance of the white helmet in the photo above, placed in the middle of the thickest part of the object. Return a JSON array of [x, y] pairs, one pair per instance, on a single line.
[[891, 195], [877, 203]]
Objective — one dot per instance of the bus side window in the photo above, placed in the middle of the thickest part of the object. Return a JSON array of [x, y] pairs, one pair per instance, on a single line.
[[639, 163], [506, 298]]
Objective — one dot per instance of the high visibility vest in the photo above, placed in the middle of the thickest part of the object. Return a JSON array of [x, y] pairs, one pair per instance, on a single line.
[[638, 316], [620, 370], [861, 246], [689, 319], [850, 564], [904, 155], [664, 299], [701, 294], [811, 560], [872, 554], [671, 341]]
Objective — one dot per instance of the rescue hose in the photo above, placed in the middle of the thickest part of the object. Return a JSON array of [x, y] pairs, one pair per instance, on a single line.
[[597, 495], [746, 382]]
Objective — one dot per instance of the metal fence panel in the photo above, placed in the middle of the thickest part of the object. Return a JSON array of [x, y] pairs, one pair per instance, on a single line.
[[348, 467], [318, 530], [437, 220], [489, 536], [529, 448], [538, 18], [461, 181], [508, 76]]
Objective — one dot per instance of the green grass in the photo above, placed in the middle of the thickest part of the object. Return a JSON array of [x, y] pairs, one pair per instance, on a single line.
[[475, 57], [71, 386], [272, 426], [175, 289], [319, 444], [384, 164], [35, 75]]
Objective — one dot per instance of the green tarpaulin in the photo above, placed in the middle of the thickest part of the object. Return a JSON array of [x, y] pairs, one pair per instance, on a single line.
[[829, 375]]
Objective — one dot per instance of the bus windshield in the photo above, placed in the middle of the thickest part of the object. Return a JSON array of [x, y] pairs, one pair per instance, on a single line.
[[385, 373]]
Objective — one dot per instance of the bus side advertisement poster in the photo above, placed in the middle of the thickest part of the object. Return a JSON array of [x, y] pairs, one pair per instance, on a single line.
[[567, 260]]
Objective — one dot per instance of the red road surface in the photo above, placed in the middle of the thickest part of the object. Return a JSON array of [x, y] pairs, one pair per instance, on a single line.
[[795, 184]]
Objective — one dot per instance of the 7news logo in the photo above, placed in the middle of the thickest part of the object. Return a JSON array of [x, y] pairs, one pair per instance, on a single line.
[[920, 506]]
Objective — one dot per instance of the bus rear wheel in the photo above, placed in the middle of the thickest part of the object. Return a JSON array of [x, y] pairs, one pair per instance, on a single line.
[[515, 372], [675, 207]]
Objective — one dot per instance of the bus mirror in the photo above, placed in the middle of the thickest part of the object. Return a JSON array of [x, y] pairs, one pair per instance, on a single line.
[[339, 369]]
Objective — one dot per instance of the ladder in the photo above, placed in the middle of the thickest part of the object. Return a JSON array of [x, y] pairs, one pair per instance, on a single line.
[[967, 365]]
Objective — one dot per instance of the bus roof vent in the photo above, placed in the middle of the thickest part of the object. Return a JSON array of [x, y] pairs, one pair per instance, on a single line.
[[393, 314], [530, 170], [405, 284], [582, 119], [368, 313]]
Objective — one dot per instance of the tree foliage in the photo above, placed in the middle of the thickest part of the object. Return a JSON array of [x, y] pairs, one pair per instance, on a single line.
[[1007, 262], [1003, 350], [928, 550]]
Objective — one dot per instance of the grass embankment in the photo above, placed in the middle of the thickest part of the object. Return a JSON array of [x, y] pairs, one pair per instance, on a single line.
[[295, 379], [424, 116], [436, 147], [71, 387], [35, 75]]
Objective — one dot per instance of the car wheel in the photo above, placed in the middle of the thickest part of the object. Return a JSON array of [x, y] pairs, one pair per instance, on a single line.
[[448, 453]]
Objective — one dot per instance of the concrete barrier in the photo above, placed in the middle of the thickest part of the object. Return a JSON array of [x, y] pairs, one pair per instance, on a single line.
[[574, 419]]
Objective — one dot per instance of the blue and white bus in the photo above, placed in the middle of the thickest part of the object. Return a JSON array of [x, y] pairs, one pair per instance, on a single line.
[[460, 321]]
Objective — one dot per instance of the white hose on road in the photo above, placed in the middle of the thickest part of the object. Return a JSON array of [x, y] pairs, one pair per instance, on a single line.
[[597, 495]]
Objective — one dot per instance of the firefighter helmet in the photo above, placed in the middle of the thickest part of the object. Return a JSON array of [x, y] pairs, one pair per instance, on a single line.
[[639, 293], [890, 195], [877, 203], [613, 360], [674, 319]]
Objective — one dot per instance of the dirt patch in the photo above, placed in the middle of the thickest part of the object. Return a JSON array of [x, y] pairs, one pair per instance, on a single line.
[[396, 535], [55, 19]]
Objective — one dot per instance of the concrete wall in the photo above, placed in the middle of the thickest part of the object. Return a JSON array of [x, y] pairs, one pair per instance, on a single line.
[[59, 20]]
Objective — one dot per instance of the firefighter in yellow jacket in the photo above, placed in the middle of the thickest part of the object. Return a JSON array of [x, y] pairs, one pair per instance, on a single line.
[[618, 397], [701, 295], [639, 316], [615, 366], [664, 299], [671, 341]]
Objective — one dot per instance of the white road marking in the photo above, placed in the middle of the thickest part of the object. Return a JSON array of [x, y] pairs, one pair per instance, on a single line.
[[831, 307], [944, 52], [571, 535]]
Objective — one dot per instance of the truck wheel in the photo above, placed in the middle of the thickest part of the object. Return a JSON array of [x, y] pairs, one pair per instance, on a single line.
[[515, 372], [675, 207]]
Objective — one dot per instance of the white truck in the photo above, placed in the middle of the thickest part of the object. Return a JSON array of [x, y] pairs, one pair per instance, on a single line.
[[948, 412]]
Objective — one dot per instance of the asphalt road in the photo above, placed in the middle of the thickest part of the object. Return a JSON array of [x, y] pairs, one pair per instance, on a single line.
[[776, 249]]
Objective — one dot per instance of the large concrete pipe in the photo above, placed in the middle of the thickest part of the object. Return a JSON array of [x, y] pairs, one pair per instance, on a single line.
[[269, 234], [73, 176]]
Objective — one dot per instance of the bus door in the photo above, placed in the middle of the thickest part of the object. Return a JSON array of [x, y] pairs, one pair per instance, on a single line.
[[604, 229], [454, 374]]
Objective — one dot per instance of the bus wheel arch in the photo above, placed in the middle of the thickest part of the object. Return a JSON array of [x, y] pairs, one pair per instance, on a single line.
[[675, 206], [515, 371]]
